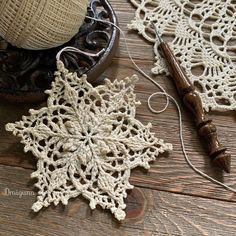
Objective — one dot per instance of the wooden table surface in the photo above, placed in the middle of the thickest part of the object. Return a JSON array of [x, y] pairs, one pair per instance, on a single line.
[[169, 199]]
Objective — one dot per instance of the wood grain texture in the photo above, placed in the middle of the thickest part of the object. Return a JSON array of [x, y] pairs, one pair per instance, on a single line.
[[154, 208], [148, 213], [205, 127], [169, 173]]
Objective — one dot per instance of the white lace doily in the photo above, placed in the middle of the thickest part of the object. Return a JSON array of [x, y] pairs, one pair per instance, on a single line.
[[86, 141], [202, 34]]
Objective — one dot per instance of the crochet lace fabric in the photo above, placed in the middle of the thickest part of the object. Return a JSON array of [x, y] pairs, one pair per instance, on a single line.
[[86, 141], [202, 34]]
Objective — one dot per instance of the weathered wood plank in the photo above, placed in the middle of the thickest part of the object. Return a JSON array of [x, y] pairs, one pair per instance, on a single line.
[[170, 173], [149, 212], [139, 47]]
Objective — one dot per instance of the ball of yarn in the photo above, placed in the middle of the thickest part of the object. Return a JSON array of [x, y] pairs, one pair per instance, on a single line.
[[40, 24]]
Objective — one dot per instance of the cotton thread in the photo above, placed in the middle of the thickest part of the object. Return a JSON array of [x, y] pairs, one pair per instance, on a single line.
[[72, 49], [168, 98], [193, 42], [87, 150], [43, 24]]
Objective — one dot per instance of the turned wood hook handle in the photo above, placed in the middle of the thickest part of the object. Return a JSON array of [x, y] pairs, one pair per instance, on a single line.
[[206, 129]]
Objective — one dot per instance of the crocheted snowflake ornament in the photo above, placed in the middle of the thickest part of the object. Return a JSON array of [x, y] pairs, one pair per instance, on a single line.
[[87, 141]]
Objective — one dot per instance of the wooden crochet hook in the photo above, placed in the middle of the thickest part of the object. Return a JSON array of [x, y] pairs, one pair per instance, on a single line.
[[206, 129]]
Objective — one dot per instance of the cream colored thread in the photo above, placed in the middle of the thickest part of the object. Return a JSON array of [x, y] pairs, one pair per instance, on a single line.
[[87, 140], [40, 24], [182, 141], [57, 121], [33, 23], [201, 35], [167, 96], [72, 49]]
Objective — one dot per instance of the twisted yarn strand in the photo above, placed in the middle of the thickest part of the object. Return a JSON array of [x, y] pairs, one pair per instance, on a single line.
[[40, 24]]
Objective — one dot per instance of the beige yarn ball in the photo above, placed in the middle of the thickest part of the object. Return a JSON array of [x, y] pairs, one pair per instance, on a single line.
[[40, 24]]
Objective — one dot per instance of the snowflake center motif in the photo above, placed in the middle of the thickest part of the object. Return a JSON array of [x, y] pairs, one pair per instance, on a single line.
[[87, 141]]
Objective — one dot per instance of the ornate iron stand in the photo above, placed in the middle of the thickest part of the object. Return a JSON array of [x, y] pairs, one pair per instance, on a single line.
[[25, 74]]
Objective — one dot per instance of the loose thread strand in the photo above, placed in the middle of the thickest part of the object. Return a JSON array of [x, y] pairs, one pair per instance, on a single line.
[[168, 97]]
